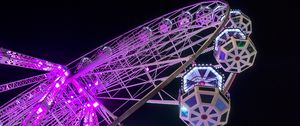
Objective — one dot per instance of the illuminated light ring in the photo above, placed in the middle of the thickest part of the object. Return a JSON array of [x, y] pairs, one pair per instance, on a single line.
[[84, 61], [107, 50], [165, 26], [235, 12], [219, 14], [145, 34], [241, 21], [185, 20], [226, 34], [203, 76], [236, 55], [204, 17]]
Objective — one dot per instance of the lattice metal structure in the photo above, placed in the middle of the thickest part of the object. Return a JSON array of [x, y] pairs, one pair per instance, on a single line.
[[107, 84]]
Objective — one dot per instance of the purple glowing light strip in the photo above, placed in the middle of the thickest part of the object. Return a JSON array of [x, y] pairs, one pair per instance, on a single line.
[[9, 57]]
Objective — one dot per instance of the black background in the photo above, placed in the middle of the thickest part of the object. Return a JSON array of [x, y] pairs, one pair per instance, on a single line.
[[61, 31]]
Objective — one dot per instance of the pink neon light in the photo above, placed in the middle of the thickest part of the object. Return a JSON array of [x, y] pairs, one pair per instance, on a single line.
[[147, 69], [96, 104], [57, 85], [39, 110], [66, 73]]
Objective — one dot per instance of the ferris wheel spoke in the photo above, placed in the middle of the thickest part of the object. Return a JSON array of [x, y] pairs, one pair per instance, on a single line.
[[143, 65], [173, 54], [181, 49], [167, 97], [136, 95], [134, 85], [23, 82], [8, 57], [139, 75], [245, 62], [137, 84], [163, 102], [25, 98], [14, 113]]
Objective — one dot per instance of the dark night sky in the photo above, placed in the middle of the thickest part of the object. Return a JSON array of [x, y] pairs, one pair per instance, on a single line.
[[60, 32]]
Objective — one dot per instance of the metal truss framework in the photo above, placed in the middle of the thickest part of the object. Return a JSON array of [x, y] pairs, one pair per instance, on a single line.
[[107, 84]]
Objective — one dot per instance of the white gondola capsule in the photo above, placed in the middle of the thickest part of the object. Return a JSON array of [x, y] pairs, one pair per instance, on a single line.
[[240, 21], [236, 55], [165, 26], [204, 106], [185, 20]]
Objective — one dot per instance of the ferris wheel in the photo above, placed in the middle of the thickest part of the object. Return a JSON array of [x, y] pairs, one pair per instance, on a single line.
[[204, 45]]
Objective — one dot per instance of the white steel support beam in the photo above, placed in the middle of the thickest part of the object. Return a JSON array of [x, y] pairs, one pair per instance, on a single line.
[[164, 102], [23, 82], [8, 57]]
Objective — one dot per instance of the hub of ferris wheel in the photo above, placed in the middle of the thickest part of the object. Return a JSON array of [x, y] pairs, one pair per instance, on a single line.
[[205, 100]]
